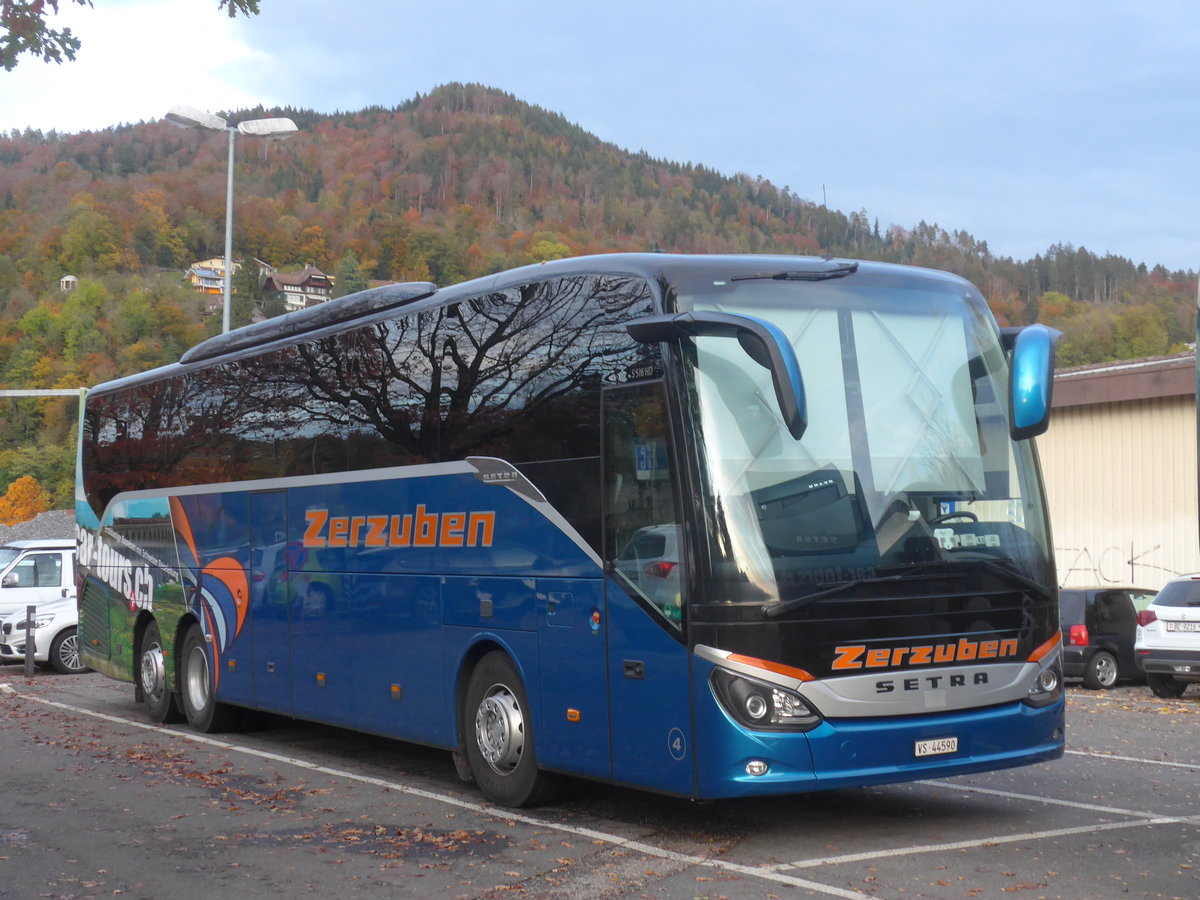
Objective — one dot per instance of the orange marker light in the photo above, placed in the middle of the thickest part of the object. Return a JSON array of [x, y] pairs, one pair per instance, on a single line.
[[1047, 647], [777, 668]]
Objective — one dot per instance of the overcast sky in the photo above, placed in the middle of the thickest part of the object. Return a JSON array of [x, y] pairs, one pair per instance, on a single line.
[[1025, 123]]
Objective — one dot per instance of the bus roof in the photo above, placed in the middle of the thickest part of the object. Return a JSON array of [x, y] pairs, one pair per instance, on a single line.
[[366, 306]]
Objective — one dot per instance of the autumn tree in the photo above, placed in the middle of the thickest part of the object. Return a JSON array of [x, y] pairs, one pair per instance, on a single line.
[[1140, 331], [91, 241], [24, 500]]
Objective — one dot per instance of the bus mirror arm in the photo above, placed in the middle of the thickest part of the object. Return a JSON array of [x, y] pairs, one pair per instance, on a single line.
[[762, 341]]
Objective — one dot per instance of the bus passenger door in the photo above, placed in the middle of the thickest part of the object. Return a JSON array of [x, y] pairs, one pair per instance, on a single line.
[[648, 668]]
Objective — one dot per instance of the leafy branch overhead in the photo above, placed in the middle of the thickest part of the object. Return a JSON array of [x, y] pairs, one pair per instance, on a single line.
[[25, 28]]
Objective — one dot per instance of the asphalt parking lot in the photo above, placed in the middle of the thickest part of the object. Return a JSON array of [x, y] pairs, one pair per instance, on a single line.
[[99, 804]]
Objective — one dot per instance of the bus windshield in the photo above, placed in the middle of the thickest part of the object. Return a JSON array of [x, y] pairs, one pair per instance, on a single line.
[[906, 462]]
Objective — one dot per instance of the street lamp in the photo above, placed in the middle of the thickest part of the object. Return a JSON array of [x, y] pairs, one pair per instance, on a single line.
[[271, 129]]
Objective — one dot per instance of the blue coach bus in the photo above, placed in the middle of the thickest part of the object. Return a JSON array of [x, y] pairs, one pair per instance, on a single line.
[[711, 526]]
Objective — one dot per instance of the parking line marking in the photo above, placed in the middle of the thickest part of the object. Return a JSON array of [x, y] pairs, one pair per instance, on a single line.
[[1139, 819], [981, 842], [772, 873], [1054, 801], [1148, 762]]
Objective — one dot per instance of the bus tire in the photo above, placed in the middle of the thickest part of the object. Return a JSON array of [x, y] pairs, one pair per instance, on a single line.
[[204, 713], [499, 735], [152, 677]]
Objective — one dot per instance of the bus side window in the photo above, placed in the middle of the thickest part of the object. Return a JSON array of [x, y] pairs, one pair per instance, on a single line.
[[642, 537]]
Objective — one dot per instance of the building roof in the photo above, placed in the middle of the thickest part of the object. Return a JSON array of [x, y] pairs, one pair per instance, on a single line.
[[296, 279], [1130, 379]]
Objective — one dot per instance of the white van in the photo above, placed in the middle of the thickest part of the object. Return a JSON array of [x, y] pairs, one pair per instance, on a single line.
[[35, 572]]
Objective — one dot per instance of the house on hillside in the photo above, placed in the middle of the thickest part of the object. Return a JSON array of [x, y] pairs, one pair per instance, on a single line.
[[208, 275], [302, 289]]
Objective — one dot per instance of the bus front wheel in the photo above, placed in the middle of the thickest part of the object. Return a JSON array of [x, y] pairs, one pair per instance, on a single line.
[[152, 677], [200, 706], [499, 740]]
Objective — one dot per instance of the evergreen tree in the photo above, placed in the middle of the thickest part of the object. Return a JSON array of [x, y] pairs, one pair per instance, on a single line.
[[246, 285], [349, 277]]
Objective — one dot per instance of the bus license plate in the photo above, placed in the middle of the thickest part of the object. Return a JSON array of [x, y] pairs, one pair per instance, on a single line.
[[936, 746]]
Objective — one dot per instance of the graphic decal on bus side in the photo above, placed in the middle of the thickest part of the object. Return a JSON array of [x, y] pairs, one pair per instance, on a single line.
[[133, 578], [419, 528], [220, 592]]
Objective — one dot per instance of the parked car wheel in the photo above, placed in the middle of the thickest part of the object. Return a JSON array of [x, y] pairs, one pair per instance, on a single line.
[[64, 652], [1100, 672], [1166, 686]]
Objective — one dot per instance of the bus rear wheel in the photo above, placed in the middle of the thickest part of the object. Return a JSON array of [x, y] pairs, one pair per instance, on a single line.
[[499, 741], [152, 677], [200, 705]]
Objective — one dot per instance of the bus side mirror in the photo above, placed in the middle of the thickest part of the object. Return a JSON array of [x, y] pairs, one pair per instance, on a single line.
[[763, 342], [1031, 379]]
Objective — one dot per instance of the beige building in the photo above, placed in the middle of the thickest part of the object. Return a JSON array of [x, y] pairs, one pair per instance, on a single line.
[[1119, 462]]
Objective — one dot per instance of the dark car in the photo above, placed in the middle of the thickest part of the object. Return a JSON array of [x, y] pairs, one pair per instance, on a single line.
[[1099, 625]]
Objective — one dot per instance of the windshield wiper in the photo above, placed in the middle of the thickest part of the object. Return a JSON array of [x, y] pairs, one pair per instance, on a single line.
[[840, 270], [775, 610], [999, 567]]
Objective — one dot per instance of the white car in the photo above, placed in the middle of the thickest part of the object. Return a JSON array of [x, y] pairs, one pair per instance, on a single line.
[[34, 572], [1167, 646], [55, 635]]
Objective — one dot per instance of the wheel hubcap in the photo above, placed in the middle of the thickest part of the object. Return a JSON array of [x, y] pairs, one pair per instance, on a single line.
[[196, 681], [154, 675], [500, 729], [1107, 672], [69, 652]]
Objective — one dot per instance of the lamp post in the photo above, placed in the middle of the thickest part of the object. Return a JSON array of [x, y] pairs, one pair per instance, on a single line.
[[271, 129]]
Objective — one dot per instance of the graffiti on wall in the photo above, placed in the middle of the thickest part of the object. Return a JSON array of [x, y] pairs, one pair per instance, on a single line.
[[1124, 565]]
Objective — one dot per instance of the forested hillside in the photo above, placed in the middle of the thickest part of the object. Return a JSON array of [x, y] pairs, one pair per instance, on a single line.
[[448, 186]]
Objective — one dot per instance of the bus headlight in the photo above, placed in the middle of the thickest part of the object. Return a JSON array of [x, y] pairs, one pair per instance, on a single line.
[[762, 706], [1046, 687]]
